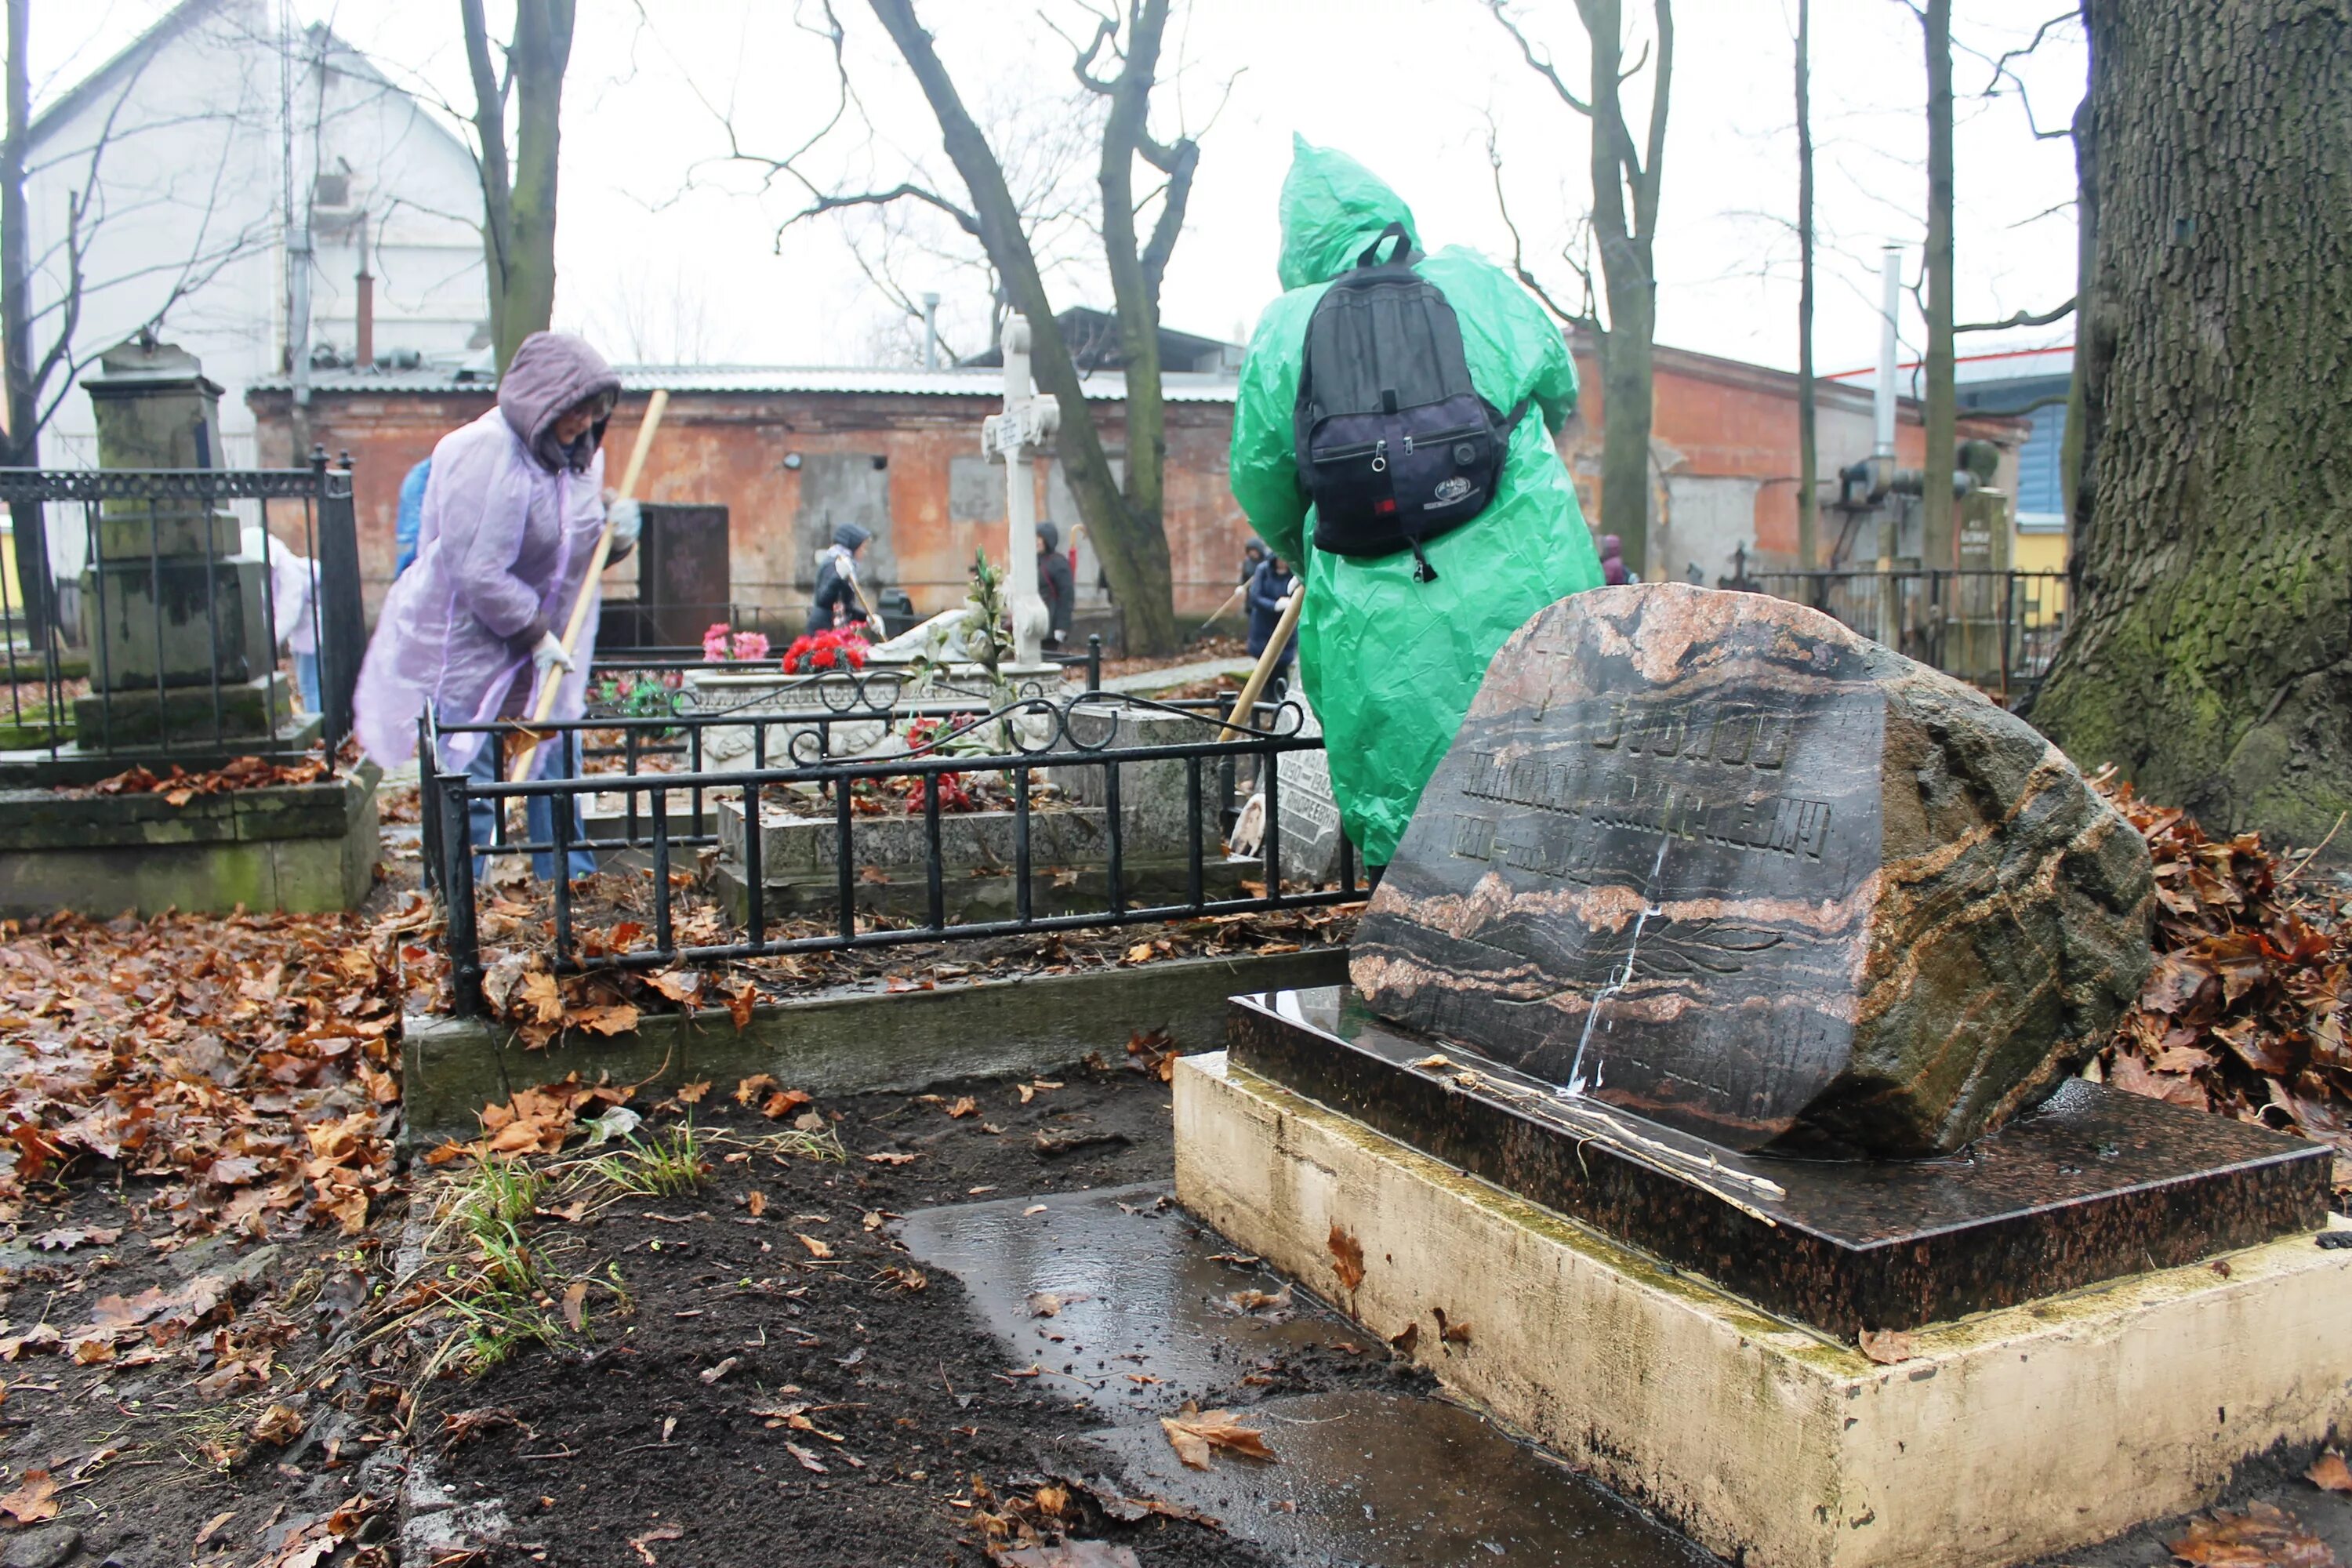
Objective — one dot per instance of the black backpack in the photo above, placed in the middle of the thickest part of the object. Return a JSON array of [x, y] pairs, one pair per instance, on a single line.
[[1394, 444]]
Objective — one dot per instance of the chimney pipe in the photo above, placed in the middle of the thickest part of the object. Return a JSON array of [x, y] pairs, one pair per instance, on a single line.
[[930, 331], [365, 355], [1890, 271]]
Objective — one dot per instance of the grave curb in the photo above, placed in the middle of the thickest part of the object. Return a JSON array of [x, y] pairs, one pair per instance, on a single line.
[[2005, 1437], [856, 1041]]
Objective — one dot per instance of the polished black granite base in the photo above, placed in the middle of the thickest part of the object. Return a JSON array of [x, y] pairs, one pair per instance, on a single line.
[[2096, 1184]]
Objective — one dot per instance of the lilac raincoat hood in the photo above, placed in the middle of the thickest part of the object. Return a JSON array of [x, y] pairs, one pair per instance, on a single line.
[[549, 372], [509, 524]]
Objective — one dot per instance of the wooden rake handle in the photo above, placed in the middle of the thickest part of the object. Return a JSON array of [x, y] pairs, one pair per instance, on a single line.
[[552, 688]]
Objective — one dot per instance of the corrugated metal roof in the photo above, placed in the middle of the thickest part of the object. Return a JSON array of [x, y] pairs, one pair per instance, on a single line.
[[1101, 387]]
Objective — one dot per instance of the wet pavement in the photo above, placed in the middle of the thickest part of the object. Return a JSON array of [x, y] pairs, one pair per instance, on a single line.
[[1143, 1321]]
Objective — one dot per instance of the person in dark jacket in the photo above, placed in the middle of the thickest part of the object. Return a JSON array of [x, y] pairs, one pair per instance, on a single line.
[[1253, 557], [1270, 586], [1053, 584], [837, 603], [1613, 571]]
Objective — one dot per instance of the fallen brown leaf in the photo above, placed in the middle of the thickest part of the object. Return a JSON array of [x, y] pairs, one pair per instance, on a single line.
[[575, 1299], [710, 1374], [692, 1093], [277, 1425], [2330, 1473], [1347, 1257], [35, 1499], [816, 1248], [1889, 1347], [1404, 1338], [1193, 1433], [890, 1157], [966, 1106], [2261, 1537]]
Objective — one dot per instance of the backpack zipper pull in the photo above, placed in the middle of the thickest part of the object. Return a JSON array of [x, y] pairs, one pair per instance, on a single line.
[[1379, 456], [1423, 572]]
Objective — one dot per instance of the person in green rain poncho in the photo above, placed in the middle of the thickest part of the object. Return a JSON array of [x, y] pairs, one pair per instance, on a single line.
[[1391, 661]]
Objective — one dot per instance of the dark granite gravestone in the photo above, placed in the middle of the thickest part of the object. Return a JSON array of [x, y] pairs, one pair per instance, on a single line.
[[1712, 857]]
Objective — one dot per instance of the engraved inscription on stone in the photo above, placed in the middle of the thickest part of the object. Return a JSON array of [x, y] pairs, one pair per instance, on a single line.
[[1713, 857]]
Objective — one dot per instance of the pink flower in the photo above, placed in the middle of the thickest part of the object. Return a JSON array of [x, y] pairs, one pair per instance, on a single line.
[[714, 642], [750, 645]]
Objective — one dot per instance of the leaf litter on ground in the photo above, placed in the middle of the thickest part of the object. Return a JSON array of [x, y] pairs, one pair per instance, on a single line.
[[246, 1062], [2244, 1013]]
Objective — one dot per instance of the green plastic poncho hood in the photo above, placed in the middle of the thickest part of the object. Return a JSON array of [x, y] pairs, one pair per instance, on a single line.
[[1332, 207], [1389, 661]]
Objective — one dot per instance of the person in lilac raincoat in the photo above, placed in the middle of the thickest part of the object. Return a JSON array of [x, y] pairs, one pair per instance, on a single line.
[[470, 631]]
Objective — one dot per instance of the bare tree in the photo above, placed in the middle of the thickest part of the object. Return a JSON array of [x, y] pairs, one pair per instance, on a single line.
[[1117, 63], [41, 344], [23, 436], [1626, 174], [518, 190], [1939, 540]]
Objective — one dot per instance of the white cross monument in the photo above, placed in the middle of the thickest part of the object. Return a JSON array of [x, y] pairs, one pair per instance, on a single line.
[[1026, 425]]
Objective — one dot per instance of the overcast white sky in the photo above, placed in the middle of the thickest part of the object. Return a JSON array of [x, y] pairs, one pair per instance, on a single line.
[[665, 249]]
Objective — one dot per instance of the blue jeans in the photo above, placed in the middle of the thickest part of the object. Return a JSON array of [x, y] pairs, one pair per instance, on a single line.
[[539, 814], [306, 678]]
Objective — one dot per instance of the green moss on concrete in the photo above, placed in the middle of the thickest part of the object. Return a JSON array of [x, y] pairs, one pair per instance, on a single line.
[[846, 1042]]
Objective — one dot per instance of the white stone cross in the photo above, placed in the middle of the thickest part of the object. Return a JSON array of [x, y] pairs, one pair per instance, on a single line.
[[1025, 426]]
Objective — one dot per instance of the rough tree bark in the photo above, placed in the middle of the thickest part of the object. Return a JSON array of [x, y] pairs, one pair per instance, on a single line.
[[2209, 649], [22, 445], [1625, 173], [519, 192], [1809, 505], [1124, 518], [1940, 541]]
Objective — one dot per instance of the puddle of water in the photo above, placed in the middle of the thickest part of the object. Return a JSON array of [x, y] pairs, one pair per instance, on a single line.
[[1401, 1482], [1142, 1294], [1364, 1476]]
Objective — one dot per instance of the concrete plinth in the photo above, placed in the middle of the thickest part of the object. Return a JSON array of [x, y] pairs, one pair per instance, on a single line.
[[2006, 1436], [302, 848]]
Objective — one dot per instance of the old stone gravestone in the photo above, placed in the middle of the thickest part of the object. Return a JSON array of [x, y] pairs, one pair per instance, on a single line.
[[1715, 858], [1311, 813]]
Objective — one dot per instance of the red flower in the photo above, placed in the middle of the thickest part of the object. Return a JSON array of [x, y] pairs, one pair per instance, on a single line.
[[837, 648]]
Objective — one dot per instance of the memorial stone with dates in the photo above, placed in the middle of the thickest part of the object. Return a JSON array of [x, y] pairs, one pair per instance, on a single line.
[[1714, 859]]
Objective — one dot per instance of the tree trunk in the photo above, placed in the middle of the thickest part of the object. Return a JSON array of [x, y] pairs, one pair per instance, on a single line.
[[519, 196], [23, 445], [2208, 649], [1939, 543], [1133, 549], [1625, 418], [1141, 536], [1809, 507], [2072, 472]]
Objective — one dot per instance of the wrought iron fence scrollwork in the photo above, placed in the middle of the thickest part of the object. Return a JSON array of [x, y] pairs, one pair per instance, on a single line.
[[1139, 863]]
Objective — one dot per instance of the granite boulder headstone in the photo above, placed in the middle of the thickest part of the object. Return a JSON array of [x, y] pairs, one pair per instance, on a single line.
[[1717, 860]]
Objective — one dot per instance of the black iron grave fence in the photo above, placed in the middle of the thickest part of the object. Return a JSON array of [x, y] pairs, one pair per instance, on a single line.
[[1997, 629], [166, 646], [1222, 755]]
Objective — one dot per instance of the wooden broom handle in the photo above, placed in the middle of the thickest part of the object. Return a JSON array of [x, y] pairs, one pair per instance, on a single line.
[[1243, 704], [549, 689]]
